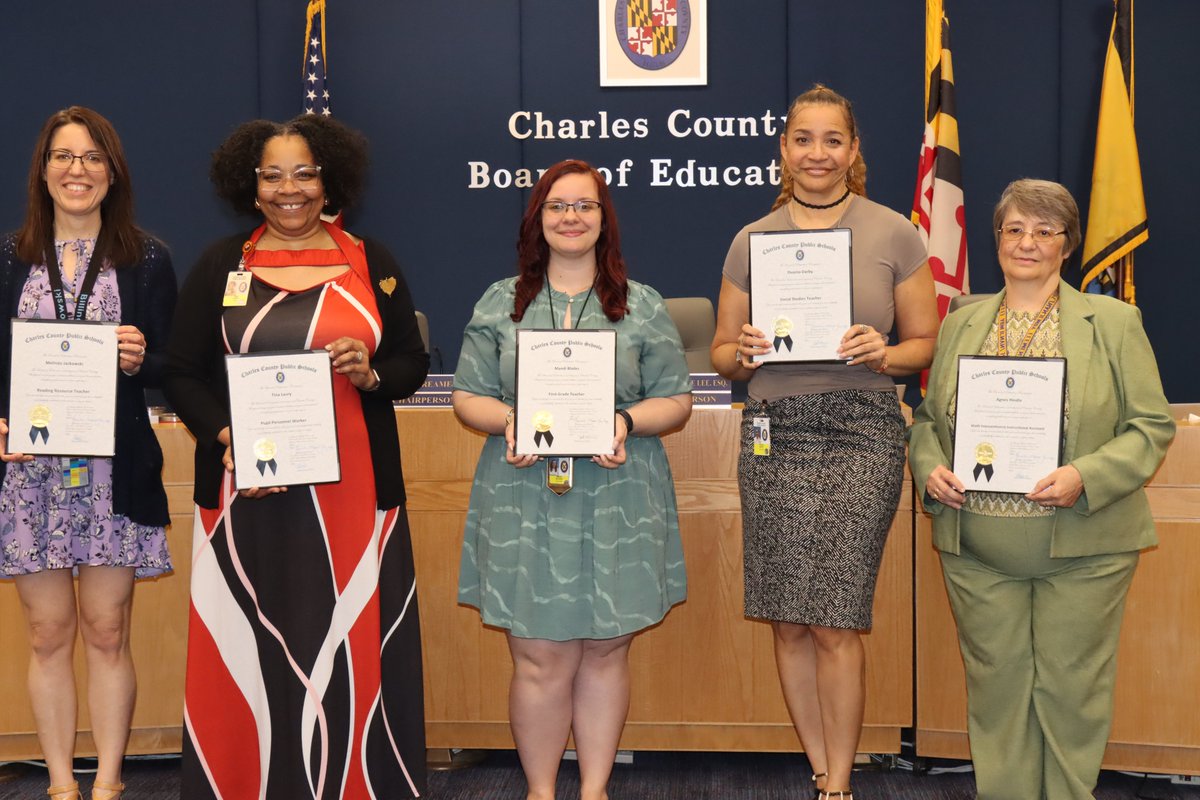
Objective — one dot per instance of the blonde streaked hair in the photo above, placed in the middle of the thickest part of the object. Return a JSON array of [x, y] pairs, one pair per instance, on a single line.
[[822, 95]]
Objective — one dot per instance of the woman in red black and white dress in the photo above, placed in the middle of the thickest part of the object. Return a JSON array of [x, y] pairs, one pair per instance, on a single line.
[[304, 665]]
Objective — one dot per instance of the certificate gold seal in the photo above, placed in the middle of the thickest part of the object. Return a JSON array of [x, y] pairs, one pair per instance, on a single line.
[[39, 416], [264, 452], [542, 421], [39, 423], [985, 455], [264, 449], [783, 332]]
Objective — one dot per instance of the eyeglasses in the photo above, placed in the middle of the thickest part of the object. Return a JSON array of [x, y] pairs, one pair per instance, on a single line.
[[272, 180], [92, 161], [1015, 233], [558, 207]]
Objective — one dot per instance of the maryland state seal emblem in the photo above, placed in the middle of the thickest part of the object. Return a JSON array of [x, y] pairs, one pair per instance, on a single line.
[[653, 33]]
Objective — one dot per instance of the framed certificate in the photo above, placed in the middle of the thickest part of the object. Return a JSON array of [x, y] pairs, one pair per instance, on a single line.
[[566, 392], [1008, 432], [801, 293], [63, 386], [282, 425]]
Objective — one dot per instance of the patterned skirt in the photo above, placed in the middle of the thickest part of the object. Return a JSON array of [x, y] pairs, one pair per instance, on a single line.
[[816, 511]]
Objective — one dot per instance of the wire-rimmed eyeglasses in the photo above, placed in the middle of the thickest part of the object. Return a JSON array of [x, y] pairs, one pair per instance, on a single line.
[[92, 160]]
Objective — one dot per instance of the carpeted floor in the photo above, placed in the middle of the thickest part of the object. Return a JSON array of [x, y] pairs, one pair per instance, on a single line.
[[651, 776]]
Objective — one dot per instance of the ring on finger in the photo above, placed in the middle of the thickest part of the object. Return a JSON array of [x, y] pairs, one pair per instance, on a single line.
[[358, 356], [864, 328]]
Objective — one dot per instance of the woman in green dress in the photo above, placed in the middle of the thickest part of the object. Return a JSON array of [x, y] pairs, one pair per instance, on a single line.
[[572, 577]]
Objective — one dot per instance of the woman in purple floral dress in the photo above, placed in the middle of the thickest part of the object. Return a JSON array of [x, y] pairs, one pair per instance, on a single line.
[[79, 256]]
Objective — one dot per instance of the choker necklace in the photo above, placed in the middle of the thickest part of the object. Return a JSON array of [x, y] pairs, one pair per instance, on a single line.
[[816, 207]]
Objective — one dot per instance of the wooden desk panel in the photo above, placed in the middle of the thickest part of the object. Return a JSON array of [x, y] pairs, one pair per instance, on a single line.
[[1155, 725], [704, 679]]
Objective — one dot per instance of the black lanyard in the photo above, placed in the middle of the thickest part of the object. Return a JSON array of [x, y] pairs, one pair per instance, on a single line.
[[58, 292], [550, 300]]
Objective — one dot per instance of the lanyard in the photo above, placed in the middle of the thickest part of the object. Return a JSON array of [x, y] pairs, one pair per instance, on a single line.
[[1027, 340], [550, 300], [58, 292]]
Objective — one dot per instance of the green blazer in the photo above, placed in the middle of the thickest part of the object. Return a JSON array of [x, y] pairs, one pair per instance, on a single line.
[[1117, 434]]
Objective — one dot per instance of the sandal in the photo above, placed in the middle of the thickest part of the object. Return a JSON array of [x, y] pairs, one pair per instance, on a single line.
[[107, 791], [816, 776], [839, 794], [68, 791]]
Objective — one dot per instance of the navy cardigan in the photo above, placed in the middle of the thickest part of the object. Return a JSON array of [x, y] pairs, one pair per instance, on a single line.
[[147, 291], [195, 381]]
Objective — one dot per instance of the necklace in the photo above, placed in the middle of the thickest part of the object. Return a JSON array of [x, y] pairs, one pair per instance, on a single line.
[[570, 304], [819, 207]]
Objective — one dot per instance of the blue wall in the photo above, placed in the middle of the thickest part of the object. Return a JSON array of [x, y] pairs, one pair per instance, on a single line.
[[434, 90]]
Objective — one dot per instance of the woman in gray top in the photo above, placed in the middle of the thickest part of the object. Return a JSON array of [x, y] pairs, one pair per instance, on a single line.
[[817, 508]]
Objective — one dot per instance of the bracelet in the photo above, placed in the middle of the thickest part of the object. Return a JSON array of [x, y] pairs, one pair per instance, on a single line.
[[883, 365], [377, 384], [628, 421]]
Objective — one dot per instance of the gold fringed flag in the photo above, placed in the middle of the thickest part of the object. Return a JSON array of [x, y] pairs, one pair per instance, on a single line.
[[1117, 211], [938, 205], [316, 86]]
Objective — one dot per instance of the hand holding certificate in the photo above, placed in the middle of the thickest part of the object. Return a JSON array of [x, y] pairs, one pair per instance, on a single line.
[[63, 386], [566, 392], [283, 427], [801, 292], [1009, 421]]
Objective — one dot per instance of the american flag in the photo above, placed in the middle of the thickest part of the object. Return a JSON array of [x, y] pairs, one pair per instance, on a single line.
[[316, 85]]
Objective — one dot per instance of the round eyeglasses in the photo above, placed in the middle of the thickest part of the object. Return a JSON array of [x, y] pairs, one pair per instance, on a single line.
[[271, 179], [92, 161]]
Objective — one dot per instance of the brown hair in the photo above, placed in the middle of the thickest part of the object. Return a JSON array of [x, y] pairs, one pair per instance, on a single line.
[[819, 94], [533, 253], [120, 242], [1038, 198]]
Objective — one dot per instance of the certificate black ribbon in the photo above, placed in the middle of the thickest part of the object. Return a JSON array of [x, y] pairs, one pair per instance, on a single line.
[[262, 466], [986, 469], [787, 340], [35, 431], [539, 435]]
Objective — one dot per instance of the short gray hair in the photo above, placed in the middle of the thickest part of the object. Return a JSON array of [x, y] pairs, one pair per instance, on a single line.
[[1045, 199]]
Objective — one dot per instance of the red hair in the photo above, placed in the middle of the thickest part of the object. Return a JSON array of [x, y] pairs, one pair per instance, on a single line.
[[533, 254]]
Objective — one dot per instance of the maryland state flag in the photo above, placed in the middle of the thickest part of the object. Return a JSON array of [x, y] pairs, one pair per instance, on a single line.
[[651, 27], [938, 205], [1117, 211]]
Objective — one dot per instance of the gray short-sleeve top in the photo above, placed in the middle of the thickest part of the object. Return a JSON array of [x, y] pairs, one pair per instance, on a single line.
[[886, 250]]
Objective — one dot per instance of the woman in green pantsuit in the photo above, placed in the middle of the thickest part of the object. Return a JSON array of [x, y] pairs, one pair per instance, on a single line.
[[1037, 582]]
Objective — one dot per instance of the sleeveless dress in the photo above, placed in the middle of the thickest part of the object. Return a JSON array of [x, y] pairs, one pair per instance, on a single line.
[[303, 676]]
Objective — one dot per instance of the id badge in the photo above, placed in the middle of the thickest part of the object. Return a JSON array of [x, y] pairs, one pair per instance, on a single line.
[[75, 473], [560, 473], [237, 288], [762, 436]]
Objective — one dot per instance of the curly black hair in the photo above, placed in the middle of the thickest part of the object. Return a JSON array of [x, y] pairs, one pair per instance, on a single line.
[[340, 150]]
